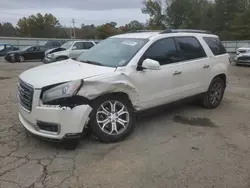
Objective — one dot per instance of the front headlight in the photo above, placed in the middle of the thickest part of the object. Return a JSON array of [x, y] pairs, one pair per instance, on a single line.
[[65, 90], [50, 55]]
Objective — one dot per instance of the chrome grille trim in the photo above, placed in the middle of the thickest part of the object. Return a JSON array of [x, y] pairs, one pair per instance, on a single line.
[[25, 94]]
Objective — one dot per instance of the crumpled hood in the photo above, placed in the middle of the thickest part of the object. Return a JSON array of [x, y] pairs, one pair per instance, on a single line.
[[62, 71], [53, 50]]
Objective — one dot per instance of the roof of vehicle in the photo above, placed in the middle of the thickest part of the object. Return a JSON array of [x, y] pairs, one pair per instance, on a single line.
[[145, 34]]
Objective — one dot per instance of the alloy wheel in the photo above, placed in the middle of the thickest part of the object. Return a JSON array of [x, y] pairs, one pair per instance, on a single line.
[[216, 93], [112, 117]]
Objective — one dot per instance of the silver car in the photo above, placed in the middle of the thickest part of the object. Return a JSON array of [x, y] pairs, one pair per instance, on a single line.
[[70, 49]]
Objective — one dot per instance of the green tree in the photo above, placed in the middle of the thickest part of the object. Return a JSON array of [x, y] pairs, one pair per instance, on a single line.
[[154, 9], [7, 30], [106, 30], [240, 27], [132, 26], [225, 12], [38, 25]]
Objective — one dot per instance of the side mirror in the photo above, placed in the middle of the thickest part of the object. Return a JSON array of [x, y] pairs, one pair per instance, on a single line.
[[74, 48], [151, 64]]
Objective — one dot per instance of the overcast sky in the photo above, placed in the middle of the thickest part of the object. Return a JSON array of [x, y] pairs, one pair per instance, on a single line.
[[83, 11]]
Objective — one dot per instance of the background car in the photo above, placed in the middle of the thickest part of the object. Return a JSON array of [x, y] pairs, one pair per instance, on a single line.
[[4, 48], [243, 49], [27, 53], [53, 44], [70, 49]]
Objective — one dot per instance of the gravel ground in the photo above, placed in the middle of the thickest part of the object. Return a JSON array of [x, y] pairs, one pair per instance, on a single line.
[[176, 146]]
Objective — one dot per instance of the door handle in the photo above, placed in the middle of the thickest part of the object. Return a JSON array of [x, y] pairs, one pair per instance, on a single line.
[[177, 73], [206, 66]]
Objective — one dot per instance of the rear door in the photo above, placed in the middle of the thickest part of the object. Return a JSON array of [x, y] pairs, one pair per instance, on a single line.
[[193, 61], [79, 48], [219, 59]]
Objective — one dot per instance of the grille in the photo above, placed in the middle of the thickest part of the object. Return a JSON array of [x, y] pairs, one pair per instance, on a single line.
[[25, 93], [243, 58]]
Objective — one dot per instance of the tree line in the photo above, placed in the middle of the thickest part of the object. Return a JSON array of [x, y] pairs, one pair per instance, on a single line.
[[230, 19]]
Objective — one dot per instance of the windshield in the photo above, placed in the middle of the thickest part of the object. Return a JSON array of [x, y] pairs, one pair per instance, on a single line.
[[113, 52], [67, 45], [25, 48]]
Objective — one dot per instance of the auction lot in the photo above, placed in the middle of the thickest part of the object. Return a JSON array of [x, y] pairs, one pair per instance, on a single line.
[[180, 145]]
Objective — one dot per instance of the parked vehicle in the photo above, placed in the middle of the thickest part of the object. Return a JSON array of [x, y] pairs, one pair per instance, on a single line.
[[5, 48], [123, 74], [27, 53], [70, 49], [242, 56], [242, 50]]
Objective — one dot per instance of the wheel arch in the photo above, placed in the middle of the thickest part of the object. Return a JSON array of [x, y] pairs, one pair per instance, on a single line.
[[93, 91], [62, 56], [223, 76]]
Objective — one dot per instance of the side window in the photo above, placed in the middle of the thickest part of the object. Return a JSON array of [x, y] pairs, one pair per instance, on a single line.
[[164, 51], [215, 45], [190, 48], [88, 45], [79, 45]]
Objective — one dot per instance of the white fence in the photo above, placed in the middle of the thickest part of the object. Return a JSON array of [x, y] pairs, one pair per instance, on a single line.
[[22, 42], [231, 46]]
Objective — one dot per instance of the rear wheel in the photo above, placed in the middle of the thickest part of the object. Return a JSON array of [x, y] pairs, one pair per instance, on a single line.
[[213, 97], [112, 118]]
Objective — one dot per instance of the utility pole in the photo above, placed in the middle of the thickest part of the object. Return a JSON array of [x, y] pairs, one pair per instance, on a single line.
[[74, 30]]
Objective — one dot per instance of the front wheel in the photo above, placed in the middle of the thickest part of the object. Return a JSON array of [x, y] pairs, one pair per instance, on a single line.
[[112, 118], [213, 97]]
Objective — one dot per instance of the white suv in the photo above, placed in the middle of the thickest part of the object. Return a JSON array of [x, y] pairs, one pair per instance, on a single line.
[[124, 74]]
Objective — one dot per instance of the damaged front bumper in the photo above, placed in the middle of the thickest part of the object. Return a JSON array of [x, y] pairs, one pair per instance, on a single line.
[[48, 60], [54, 122]]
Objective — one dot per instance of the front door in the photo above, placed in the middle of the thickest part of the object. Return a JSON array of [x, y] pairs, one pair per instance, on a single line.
[[156, 87]]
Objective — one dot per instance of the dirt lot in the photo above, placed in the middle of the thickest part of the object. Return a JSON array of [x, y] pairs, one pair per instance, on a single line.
[[176, 146]]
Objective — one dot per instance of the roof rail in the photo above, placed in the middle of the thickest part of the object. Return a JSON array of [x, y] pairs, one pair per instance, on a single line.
[[185, 31], [142, 31]]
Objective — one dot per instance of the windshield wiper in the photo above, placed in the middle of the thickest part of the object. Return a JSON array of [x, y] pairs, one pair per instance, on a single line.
[[92, 62]]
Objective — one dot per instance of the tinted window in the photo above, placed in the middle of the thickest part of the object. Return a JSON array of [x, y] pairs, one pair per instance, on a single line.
[[88, 45], [164, 51], [190, 48], [215, 45], [43, 48]]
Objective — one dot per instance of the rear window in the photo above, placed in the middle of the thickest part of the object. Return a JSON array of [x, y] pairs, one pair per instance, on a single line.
[[215, 45]]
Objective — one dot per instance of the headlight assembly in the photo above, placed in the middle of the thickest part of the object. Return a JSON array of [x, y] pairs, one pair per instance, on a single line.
[[50, 55], [65, 90]]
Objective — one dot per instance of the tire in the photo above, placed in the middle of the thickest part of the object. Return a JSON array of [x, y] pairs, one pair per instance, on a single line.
[[21, 58], [112, 129], [213, 97], [61, 58]]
